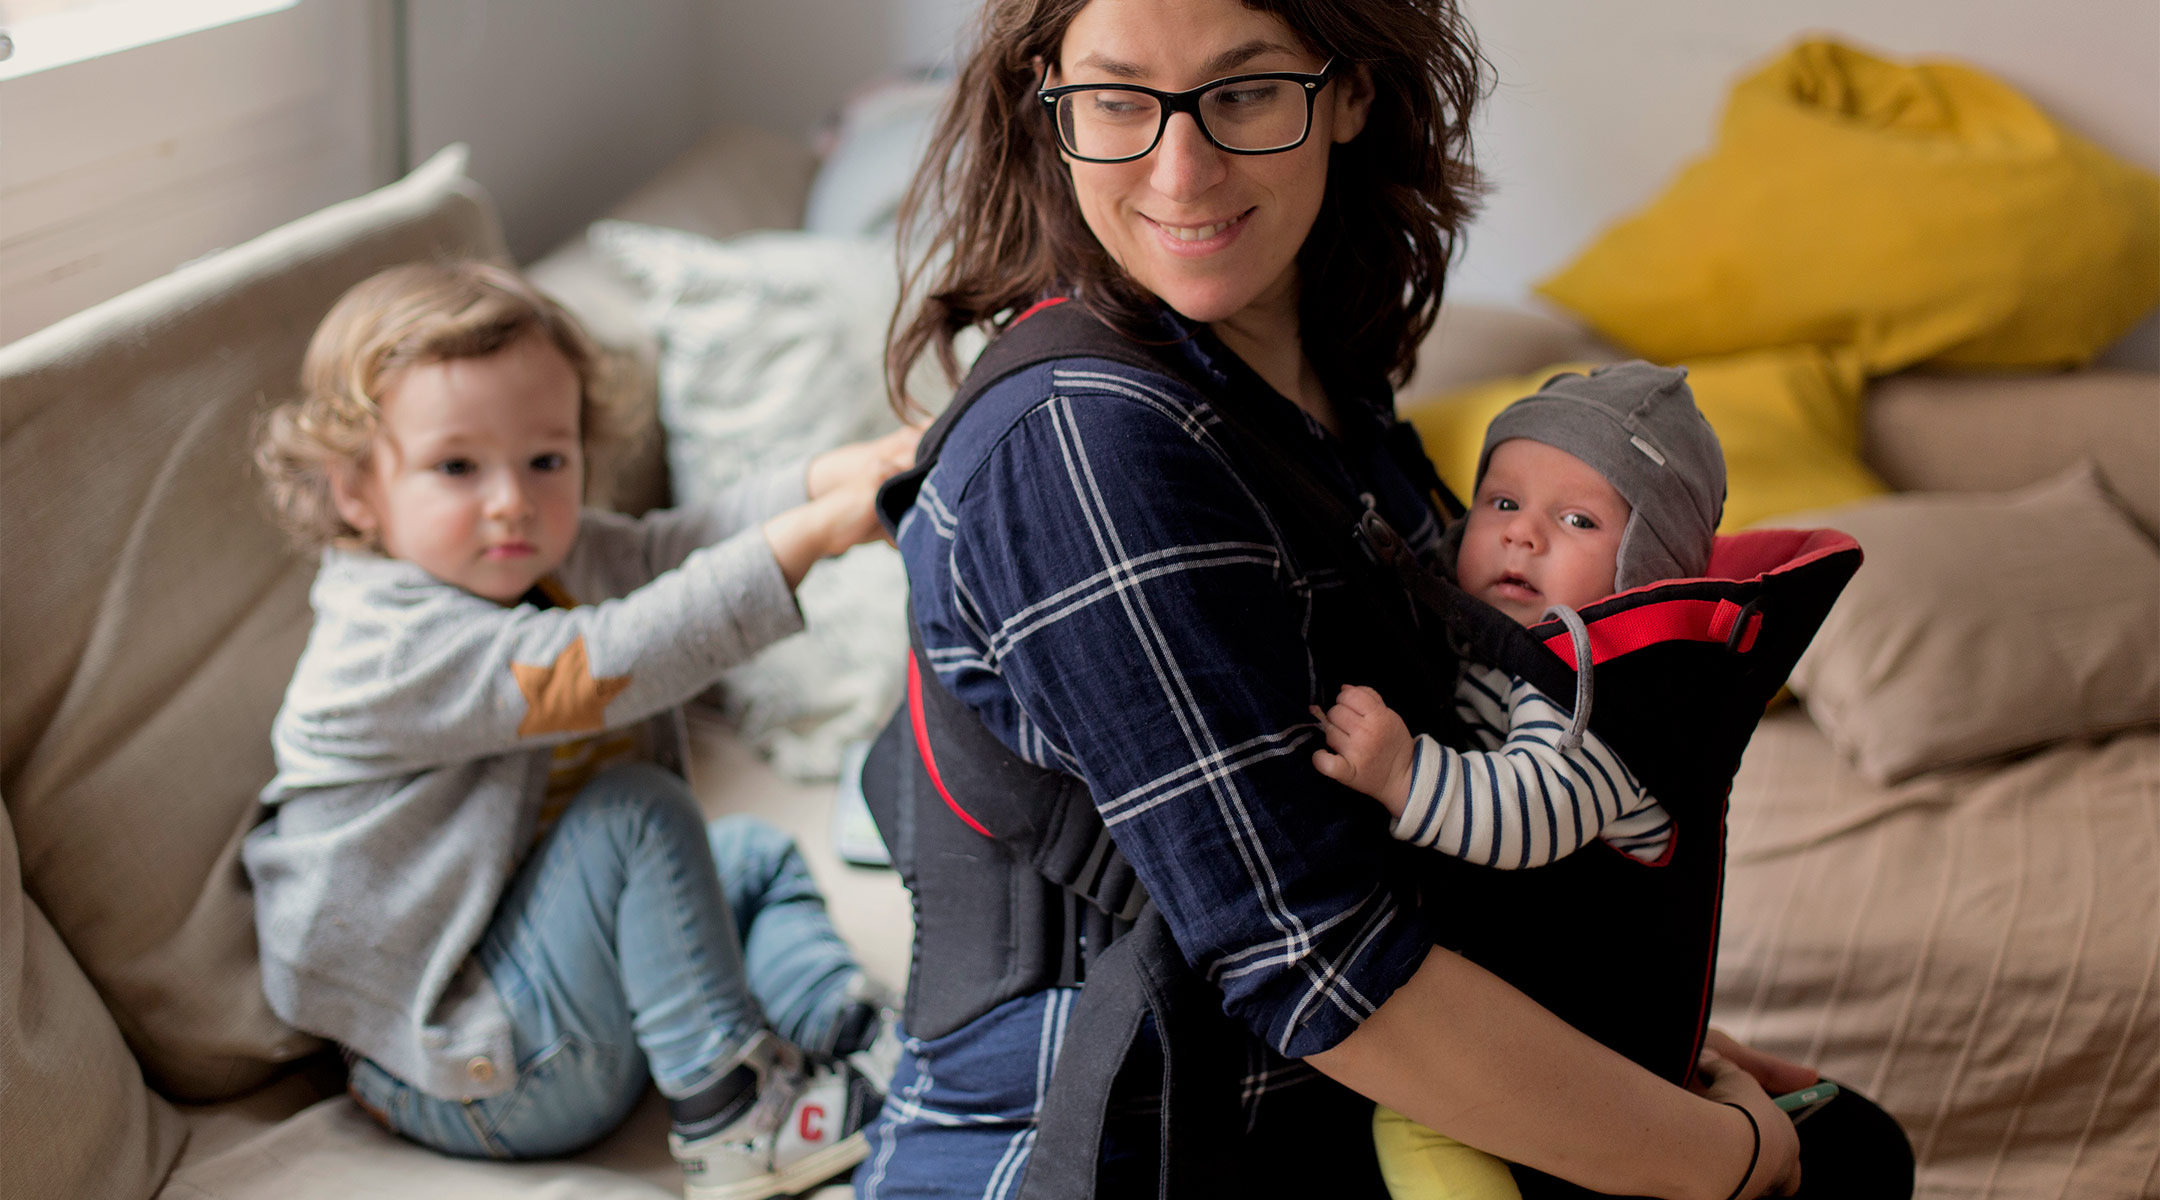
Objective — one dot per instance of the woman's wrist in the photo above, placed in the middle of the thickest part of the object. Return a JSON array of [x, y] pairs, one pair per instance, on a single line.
[[1754, 1150]]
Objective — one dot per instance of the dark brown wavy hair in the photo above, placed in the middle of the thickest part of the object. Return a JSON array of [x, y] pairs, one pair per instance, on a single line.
[[1004, 229]]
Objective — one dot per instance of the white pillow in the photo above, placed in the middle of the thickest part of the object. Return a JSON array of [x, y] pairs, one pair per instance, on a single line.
[[771, 349], [881, 139]]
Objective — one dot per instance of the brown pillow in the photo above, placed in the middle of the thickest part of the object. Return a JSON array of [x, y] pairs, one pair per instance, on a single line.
[[1985, 623]]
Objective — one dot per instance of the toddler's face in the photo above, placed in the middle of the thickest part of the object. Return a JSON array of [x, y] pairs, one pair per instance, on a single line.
[[1545, 529], [477, 471]]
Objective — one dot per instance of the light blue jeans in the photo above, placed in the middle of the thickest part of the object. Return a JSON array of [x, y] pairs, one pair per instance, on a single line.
[[622, 954]]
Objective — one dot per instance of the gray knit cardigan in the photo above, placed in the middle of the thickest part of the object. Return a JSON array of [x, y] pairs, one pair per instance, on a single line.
[[412, 752]]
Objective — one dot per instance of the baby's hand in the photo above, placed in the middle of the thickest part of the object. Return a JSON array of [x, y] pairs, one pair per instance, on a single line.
[[871, 462], [1369, 747]]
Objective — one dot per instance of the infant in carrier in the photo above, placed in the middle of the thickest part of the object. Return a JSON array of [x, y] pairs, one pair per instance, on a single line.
[[1596, 484]]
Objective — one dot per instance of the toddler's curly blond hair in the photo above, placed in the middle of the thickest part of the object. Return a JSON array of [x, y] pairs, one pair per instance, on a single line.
[[423, 312]]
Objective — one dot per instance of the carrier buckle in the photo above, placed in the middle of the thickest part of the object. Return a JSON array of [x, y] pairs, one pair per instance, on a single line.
[[1738, 639]]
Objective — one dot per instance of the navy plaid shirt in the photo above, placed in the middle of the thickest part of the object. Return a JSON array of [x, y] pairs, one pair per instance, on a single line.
[[1092, 575]]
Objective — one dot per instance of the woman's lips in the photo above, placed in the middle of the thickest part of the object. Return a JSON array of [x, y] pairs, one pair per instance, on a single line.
[[1195, 240]]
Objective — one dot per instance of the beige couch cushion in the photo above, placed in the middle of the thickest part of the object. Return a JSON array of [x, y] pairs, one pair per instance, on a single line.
[[1984, 623], [1987, 433], [75, 1118], [152, 614], [736, 180]]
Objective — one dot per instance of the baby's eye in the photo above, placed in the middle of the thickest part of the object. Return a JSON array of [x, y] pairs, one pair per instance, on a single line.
[[1581, 520], [455, 466], [1503, 504], [550, 462]]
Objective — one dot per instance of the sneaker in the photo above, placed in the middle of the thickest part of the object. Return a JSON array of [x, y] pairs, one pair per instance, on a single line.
[[881, 1058], [805, 1128], [868, 1031]]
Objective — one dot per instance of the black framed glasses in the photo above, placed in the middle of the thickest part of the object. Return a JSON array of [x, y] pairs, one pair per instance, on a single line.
[[1263, 113]]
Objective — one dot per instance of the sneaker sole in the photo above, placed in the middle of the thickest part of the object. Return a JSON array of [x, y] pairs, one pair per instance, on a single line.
[[800, 1175]]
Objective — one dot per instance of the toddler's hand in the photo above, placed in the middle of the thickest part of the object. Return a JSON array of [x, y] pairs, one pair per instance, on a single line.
[[871, 462], [1368, 747]]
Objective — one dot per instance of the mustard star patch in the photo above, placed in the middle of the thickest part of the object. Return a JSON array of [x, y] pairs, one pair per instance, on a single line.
[[565, 697]]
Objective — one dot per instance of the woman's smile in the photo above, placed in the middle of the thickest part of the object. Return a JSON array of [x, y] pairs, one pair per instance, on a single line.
[[1213, 235], [1197, 239]]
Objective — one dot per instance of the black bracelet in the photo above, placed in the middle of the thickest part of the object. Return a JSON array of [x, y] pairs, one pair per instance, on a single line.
[[1754, 1155]]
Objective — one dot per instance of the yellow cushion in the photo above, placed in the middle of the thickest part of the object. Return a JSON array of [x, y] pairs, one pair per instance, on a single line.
[[1788, 419], [1912, 212]]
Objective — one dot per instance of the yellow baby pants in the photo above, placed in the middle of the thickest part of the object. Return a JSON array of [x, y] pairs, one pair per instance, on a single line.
[[1419, 1164]]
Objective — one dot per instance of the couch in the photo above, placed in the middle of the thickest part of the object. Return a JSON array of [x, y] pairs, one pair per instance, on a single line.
[[151, 615]]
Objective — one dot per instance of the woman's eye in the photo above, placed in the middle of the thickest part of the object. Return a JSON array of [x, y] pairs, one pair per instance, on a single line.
[[1251, 95], [550, 462], [455, 466], [1113, 106]]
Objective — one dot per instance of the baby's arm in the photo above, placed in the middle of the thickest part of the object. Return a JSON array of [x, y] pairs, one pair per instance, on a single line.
[[1368, 747], [1531, 802]]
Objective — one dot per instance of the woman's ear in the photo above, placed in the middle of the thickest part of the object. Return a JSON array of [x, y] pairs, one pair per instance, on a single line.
[[350, 497], [1353, 103]]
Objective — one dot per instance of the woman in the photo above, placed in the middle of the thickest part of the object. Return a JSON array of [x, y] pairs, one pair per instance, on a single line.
[[1092, 574]]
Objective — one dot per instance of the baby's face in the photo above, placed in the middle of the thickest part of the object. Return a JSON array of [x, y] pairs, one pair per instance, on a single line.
[[477, 472], [1544, 529]]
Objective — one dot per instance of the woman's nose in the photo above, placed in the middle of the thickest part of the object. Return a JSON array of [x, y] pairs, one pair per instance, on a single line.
[[1186, 164]]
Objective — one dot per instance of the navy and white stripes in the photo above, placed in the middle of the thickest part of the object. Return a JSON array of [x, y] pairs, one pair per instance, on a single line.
[[1523, 799]]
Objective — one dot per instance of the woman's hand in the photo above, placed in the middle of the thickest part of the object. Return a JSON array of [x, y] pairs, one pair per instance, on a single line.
[[843, 517], [1777, 1160], [871, 462], [1776, 1075]]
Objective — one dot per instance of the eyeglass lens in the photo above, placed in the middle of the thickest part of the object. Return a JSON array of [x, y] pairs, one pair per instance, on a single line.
[[1256, 114]]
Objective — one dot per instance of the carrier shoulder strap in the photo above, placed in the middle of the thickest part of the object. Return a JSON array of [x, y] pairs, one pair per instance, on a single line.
[[1045, 819]]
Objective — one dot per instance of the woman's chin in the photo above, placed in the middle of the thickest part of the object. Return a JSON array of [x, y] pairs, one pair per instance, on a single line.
[[1205, 301]]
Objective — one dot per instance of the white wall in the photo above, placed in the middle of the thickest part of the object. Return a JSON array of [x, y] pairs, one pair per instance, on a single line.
[[1599, 101], [117, 169], [567, 104]]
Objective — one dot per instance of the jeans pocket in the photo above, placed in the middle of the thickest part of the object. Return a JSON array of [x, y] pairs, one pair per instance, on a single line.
[[568, 1096]]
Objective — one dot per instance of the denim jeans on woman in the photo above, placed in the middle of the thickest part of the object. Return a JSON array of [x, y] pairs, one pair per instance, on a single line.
[[623, 954]]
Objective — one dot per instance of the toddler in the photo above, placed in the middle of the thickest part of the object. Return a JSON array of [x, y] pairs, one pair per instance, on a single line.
[[482, 873], [1598, 483]]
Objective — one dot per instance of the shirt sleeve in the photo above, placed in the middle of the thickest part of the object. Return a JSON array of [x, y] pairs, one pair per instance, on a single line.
[[405, 676], [664, 537], [1533, 800], [1113, 599]]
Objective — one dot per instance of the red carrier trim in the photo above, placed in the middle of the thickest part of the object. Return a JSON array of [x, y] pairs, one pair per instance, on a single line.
[[1664, 621], [1037, 307], [922, 745]]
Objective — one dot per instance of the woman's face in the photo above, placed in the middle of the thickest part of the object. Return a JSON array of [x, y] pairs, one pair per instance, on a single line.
[[1213, 235]]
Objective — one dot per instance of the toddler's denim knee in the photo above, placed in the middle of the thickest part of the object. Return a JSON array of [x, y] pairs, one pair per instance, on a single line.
[[634, 801], [749, 845]]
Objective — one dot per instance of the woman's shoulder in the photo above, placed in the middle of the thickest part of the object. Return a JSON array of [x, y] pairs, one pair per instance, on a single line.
[[1123, 418]]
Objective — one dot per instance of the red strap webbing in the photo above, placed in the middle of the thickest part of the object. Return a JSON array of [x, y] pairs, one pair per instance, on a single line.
[[1664, 621], [922, 745]]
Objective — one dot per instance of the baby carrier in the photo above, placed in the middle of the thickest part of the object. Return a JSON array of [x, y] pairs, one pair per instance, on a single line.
[[1017, 887]]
